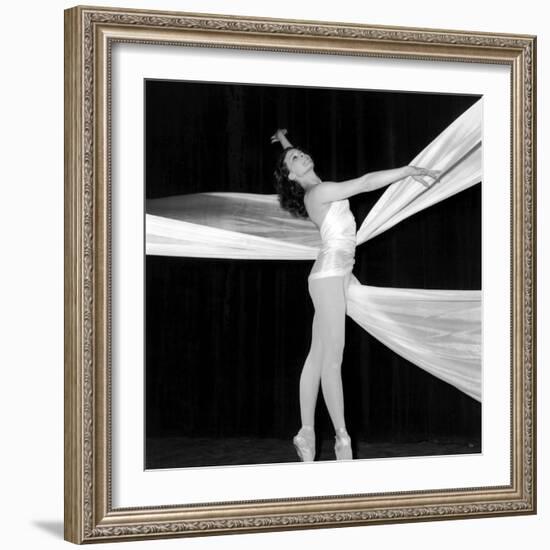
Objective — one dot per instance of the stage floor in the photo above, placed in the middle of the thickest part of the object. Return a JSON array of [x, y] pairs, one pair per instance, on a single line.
[[184, 452]]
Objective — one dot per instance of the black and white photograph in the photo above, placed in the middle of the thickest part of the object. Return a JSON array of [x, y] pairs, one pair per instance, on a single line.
[[313, 275]]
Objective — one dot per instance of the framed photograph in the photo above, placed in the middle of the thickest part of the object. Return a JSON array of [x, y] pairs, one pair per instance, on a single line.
[[299, 274]]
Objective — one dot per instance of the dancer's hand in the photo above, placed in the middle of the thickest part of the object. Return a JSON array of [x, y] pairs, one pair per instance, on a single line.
[[278, 135], [419, 173]]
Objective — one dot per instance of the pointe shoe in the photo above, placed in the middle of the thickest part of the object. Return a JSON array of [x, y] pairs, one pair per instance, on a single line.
[[342, 445], [304, 443]]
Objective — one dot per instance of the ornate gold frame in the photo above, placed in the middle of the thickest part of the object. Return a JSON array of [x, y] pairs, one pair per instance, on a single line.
[[89, 34]]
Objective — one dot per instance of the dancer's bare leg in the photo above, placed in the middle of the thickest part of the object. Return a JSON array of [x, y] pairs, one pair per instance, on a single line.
[[324, 361], [310, 380], [329, 297], [328, 336]]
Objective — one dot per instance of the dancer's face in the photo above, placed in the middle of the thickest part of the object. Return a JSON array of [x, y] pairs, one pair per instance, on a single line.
[[298, 163]]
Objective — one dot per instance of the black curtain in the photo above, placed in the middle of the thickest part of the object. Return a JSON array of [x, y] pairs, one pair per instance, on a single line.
[[226, 340]]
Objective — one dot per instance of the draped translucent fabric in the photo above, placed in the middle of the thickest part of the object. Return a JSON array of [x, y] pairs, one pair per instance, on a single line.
[[228, 225], [456, 151], [438, 330]]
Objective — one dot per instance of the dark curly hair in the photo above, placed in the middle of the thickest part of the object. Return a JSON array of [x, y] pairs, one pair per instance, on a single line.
[[291, 193]]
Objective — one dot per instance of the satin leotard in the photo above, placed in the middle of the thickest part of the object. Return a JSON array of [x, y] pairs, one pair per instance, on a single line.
[[338, 236]]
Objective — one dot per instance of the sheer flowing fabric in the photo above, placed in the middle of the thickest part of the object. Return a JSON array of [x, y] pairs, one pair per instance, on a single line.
[[437, 330]]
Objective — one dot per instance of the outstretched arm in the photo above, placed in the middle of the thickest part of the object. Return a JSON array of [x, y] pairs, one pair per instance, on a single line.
[[329, 191], [280, 136]]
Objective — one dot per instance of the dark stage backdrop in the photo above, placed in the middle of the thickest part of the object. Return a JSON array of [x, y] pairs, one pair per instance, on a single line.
[[226, 340]]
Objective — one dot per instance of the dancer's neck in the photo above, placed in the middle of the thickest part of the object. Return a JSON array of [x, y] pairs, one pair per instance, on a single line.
[[310, 180]]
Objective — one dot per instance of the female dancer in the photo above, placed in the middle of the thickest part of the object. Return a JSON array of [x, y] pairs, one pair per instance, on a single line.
[[304, 194]]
